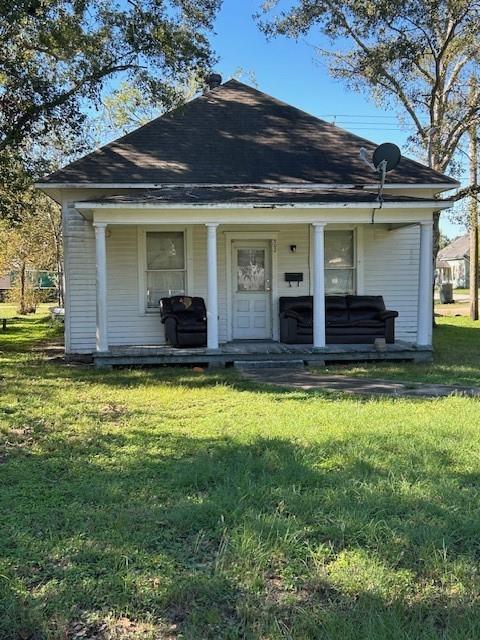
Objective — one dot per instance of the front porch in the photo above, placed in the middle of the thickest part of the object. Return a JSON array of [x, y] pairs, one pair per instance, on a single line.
[[229, 353], [139, 252]]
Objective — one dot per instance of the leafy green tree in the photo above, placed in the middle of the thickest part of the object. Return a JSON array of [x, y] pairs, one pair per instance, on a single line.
[[416, 54], [128, 107], [59, 54], [33, 244]]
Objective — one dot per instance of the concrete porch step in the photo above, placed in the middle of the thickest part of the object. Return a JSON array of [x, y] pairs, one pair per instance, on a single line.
[[268, 364]]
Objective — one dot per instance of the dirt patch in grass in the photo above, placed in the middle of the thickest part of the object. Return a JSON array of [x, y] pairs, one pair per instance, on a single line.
[[122, 628]]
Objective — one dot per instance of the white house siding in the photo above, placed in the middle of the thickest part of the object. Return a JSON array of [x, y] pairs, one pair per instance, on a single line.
[[80, 316], [391, 268]]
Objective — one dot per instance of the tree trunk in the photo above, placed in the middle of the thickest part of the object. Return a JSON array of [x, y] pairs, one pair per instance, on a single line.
[[435, 164], [23, 306], [60, 275], [473, 225]]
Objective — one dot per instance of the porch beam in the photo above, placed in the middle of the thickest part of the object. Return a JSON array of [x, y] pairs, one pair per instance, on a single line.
[[101, 290], [425, 286], [212, 287], [319, 337]]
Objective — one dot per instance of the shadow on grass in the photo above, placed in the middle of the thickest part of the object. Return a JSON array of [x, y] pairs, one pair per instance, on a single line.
[[377, 538], [24, 333], [373, 536]]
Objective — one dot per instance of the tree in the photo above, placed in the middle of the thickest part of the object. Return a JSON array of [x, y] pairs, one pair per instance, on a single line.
[[127, 107], [32, 245], [443, 241], [59, 54], [418, 54], [473, 217]]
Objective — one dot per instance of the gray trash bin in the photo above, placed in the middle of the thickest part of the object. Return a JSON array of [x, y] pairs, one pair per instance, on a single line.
[[446, 293]]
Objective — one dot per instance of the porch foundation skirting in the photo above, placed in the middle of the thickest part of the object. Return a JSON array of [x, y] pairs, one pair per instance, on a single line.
[[273, 352]]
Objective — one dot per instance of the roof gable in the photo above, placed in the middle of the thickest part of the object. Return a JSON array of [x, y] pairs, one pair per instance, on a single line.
[[456, 250], [236, 134]]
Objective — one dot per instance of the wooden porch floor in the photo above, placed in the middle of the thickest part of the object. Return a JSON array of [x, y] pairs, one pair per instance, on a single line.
[[257, 351]]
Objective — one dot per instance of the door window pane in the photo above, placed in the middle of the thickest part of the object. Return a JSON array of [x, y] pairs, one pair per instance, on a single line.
[[165, 250], [251, 269], [338, 249], [164, 284]]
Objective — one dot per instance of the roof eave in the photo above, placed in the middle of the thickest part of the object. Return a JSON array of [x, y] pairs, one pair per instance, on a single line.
[[429, 204], [440, 187]]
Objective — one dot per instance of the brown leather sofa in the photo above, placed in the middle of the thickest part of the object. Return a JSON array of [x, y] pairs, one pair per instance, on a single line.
[[349, 320], [185, 320]]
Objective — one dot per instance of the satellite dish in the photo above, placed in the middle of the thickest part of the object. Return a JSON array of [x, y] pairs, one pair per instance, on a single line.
[[385, 158], [388, 154]]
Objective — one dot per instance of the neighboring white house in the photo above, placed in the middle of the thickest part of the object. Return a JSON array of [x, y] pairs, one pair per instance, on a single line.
[[236, 170], [453, 263]]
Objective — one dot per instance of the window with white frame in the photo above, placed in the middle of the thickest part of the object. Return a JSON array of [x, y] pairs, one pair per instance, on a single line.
[[340, 262], [165, 266]]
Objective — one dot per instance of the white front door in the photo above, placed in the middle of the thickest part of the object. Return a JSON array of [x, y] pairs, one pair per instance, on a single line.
[[252, 298]]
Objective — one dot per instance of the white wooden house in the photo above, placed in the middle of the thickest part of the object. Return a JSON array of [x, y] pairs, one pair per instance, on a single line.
[[453, 263], [174, 206]]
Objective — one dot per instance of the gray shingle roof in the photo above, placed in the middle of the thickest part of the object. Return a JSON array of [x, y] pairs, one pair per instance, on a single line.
[[236, 134], [456, 250]]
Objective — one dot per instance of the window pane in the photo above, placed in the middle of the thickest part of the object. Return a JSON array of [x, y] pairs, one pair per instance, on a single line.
[[339, 249], [165, 250], [163, 284], [251, 269], [339, 281]]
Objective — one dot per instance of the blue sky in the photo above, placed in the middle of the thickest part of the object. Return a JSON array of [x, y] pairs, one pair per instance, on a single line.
[[290, 71]]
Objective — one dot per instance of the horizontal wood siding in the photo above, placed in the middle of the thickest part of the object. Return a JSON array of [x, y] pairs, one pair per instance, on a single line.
[[391, 269], [79, 240], [126, 323]]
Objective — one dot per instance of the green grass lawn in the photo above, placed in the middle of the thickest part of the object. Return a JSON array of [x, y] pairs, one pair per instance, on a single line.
[[172, 505], [456, 358]]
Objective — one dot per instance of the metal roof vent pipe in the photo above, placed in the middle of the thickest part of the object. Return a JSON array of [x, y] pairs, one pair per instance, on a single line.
[[214, 80]]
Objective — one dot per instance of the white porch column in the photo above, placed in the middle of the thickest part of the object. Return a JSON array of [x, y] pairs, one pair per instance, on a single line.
[[101, 267], [212, 292], [319, 340], [425, 286]]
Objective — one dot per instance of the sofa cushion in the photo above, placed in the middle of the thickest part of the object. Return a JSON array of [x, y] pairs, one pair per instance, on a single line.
[[367, 323], [355, 331], [304, 331], [336, 308], [365, 307], [288, 302]]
